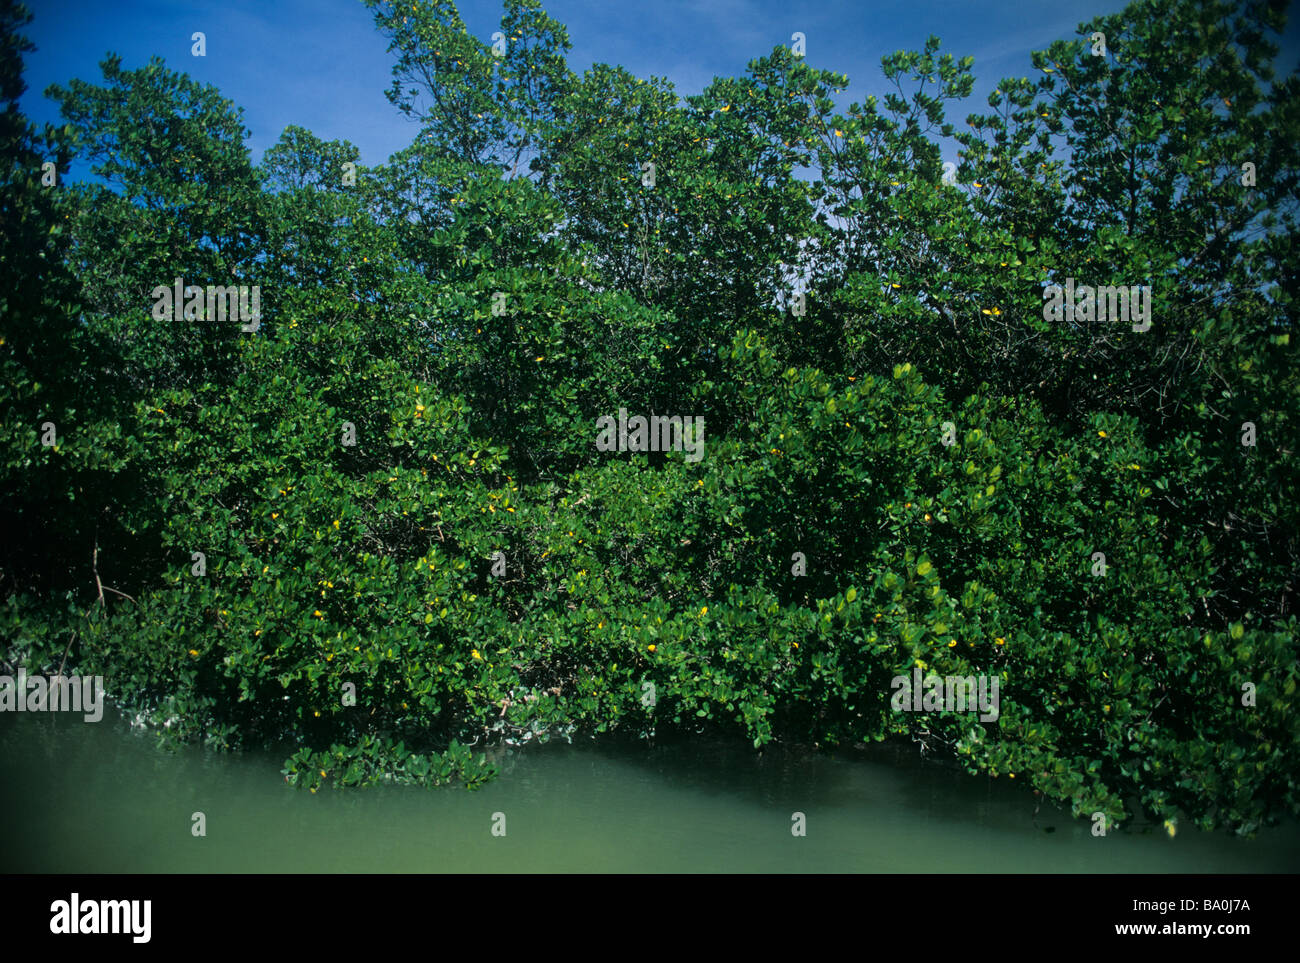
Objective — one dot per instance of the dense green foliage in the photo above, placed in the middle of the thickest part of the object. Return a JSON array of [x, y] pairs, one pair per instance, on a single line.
[[333, 567]]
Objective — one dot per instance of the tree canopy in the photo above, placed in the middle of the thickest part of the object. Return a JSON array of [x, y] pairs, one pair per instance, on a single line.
[[377, 525]]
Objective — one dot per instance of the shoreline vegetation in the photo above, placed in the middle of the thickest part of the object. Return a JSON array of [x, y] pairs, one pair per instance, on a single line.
[[390, 520]]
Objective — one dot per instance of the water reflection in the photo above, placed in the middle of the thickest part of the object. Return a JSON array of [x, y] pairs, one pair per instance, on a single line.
[[102, 798]]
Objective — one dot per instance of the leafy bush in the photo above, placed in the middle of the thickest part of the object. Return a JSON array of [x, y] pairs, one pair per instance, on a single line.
[[467, 311]]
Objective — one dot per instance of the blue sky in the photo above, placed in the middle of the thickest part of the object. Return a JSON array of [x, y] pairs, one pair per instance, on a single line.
[[323, 66]]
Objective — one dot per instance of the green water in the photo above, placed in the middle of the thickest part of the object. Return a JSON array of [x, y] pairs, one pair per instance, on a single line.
[[99, 798]]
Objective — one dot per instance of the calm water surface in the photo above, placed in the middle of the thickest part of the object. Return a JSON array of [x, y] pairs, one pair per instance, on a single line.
[[99, 798]]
